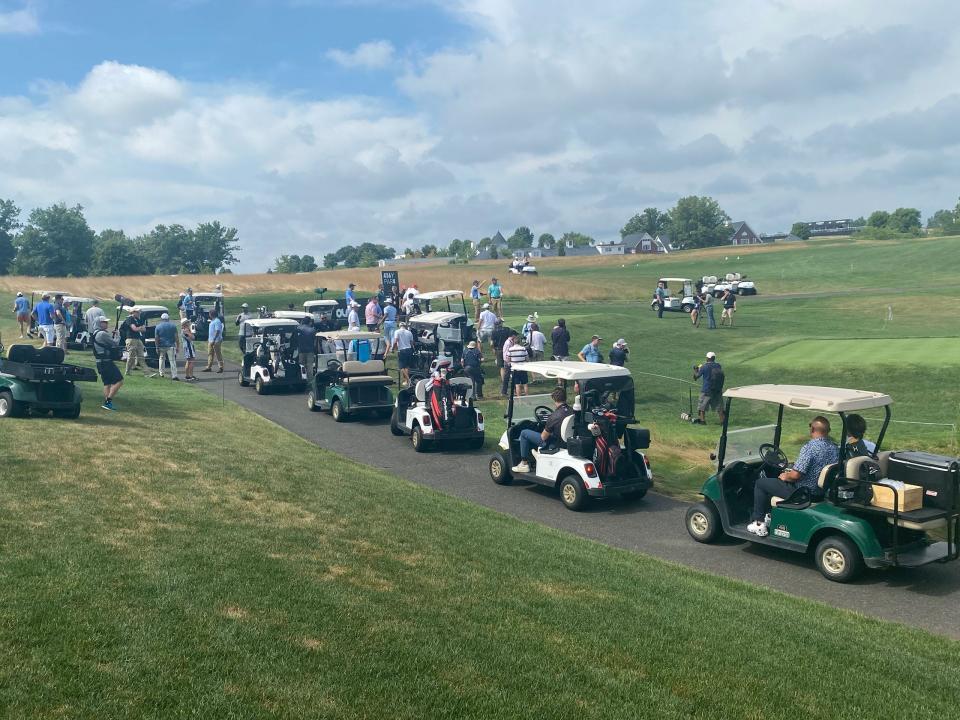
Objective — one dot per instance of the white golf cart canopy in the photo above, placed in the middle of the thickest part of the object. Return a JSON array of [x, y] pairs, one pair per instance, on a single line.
[[438, 295], [812, 397], [574, 370], [146, 308], [292, 315], [72, 299], [207, 296], [51, 293], [335, 335], [675, 279], [270, 323], [309, 305], [435, 318]]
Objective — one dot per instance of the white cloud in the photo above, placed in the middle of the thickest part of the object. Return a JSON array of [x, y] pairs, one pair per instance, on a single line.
[[369, 55], [23, 21]]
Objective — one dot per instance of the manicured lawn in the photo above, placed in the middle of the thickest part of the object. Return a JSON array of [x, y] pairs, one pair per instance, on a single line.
[[930, 352], [180, 558]]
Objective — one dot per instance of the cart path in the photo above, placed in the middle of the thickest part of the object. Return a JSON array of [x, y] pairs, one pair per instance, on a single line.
[[926, 597]]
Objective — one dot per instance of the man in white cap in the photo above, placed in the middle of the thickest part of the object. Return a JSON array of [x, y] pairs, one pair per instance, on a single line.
[[711, 388], [619, 352], [486, 324], [168, 345], [103, 350], [353, 316], [22, 310], [390, 314], [242, 318]]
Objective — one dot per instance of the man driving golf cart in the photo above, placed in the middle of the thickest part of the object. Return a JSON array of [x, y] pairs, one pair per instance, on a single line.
[[586, 450]]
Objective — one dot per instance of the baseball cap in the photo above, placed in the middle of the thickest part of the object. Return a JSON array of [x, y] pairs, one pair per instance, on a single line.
[[621, 341], [103, 319], [19, 294], [530, 318], [185, 321], [388, 301], [244, 305], [472, 344], [165, 316], [711, 355], [486, 306], [596, 337]]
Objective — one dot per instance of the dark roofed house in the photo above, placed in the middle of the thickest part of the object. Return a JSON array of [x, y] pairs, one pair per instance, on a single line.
[[498, 240], [643, 243], [743, 234]]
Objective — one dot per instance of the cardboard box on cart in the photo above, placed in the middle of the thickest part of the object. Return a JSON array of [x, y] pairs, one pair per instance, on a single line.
[[909, 497]]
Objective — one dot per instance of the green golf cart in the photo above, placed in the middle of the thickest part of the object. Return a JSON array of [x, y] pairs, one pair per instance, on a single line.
[[876, 510], [34, 382], [350, 375]]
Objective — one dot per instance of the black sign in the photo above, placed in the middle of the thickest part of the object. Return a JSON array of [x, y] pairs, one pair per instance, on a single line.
[[391, 281]]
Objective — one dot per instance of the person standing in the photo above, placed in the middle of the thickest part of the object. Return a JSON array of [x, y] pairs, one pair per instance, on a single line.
[[348, 295], [44, 313], [103, 349], [373, 315], [403, 344], [389, 320], [619, 353], [711, 379], [307, 346], [133, 331], [501, 336], [538, 342], [60, 323], [475, 294], [697, 307], [560, 340], [189, 351], [381, 295], [591, 351], [525, 330], [729, 301], [660, 297], [708, 307], [353, 316], [214, 343], [473, 367], [486, 324], [242, 317], [92, 317], [21, 309], [167, 339], [495, 292], [189, 306], [515, 355]]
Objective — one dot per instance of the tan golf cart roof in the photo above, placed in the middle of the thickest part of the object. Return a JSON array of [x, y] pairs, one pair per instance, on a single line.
[[146, 308], [272, 322], [218, 295], [51, 293], [676, 279], [320, 303], [435, 318], [812, 397], [293, 314], [72, 299], [438, 294], [349, 335], [574, 370]]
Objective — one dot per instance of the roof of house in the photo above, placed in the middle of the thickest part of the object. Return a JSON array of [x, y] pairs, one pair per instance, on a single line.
[[498, 239]]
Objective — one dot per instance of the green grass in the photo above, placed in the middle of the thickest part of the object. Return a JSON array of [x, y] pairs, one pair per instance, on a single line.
[[930, 352], [181, 558]]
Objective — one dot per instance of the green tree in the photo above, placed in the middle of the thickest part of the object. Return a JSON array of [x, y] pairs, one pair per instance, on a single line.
[[801, 230], [522, 238], [363, 255], [115, 254], [698, 221], [213, 248], [308, 263], [484, 244], [428, 251], [561, 250], [650, 221], [9, 222], [905, 220], [462, 249], [287, 264], [546, 241], [57, 242], [860, 222], [941, 220], [575, 239], [878, 219], [493, 252], [166, 248]]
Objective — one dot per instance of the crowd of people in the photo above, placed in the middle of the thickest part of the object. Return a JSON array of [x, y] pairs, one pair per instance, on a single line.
[[704, 303]]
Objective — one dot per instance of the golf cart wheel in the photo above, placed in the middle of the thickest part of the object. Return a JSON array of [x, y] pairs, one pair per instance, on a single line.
[[395, 425], [703, 522], [312, 402], [688, 309], [259, 386], [8, 406], [71, 414], [500, 469], [838, 559], [417, 440], [572, 493], [242, 380], [336, 411]]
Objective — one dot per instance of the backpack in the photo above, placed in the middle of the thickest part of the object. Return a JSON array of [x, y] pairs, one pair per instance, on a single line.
[[717, 379]]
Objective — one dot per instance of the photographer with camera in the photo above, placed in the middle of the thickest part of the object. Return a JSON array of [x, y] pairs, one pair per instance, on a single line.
[[711, 388]]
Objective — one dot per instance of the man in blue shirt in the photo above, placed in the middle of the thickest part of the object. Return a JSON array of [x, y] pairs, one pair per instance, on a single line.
[[214, 342], [167, 338], [348, 295], [819, 452], [496, 297], [22, 309], [591, 351], [711, 391], [44, 311], [389, 320], [660, 295], [189, 306], [475, 294]]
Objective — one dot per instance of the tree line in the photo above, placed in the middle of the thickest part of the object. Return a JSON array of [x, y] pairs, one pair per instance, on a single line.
[[58, 242]]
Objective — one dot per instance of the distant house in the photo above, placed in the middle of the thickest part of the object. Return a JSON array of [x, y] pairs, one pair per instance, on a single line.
[[832, 227], [498, 241], [743, 234], [611, 248], [643, 243]]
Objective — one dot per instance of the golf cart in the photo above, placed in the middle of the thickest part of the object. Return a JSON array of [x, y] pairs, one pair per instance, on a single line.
[[351, 375], [598, 456], [204, 303], [325, 315], [874, 510], [78, 335], [270, 357], [147, 313], [298, 315], [522, 266], [438, 410], [442, 330], [674, 303], [36, 381]]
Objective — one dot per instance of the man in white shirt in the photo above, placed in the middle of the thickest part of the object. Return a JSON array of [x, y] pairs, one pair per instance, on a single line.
[[538, 341], [487, 322], [403, 344], [92, 317], [353, 317]]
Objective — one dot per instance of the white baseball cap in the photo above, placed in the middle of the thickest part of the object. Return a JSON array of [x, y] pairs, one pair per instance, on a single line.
[[165, 316], [711, 355], [103, 319]]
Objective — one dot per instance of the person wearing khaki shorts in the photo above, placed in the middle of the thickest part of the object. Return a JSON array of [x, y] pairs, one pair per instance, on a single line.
[[214, 343], [135, 354]]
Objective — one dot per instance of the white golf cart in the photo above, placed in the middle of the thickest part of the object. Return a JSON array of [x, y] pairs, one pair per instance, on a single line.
[[438, 410], [682, 302], [521, 266], [148, 314], [324, 313], [598, 455], [204, 303], [443, 330], [78, 335], [297, 315], [270, 357]]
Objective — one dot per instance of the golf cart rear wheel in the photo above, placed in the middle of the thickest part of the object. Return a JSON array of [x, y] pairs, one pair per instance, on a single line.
[[336, 411], [8, 406], [241, 379], [259, 386], [688, 309], [395, 425], [417, 440], [572, 493], [312, 402], [838, 559], [703, 522], [500, 469]]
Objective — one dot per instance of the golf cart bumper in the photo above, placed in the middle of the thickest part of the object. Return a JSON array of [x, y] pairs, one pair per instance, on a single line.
[[453, 435], [914, 555], [619, 489]]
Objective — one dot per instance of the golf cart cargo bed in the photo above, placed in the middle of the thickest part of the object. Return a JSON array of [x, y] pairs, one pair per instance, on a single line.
[[935, 552], [936, 474], [32, 372]]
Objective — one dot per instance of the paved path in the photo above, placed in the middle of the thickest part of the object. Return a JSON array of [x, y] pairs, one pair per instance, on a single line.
[[926, 597]]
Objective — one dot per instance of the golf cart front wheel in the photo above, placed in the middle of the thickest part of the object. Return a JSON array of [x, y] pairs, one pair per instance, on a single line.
[[838, 559], [573, 494], [8, 406], [336, 411], [703, 522], [417, 440], [241, 379], [311, 402], [500, 469]]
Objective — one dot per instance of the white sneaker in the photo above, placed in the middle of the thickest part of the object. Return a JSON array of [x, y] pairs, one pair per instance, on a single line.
[[758, 529], [523, 467]]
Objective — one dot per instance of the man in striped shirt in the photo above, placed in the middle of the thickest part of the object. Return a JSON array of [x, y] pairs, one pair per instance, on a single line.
[[515, 353]]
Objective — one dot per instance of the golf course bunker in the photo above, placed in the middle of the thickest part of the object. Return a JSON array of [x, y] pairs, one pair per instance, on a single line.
[[934, 352]]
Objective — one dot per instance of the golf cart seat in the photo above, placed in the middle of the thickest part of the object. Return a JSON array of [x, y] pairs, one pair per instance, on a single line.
[[357, 372], [566, 428], [420, 390], [826, 475], [22, 354]]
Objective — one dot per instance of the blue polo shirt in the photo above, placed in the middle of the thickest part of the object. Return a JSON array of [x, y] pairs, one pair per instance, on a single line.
[[215, 332], [591, 353], [495, 291], [475, 293], [165, 334], [21, 306], [390, 313], [44, 310]]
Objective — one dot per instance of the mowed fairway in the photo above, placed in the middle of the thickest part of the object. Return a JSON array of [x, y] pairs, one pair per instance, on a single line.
[[182, 558], [928, 352]]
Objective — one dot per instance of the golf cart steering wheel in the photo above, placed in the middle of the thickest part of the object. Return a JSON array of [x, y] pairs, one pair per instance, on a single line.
[[542, 413], [334, 365], [773, 457]]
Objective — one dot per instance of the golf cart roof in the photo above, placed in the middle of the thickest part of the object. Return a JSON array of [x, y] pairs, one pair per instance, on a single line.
[[51, 293], [293, 314], [435, 318], [214, 295], [438, 294], [72, 299], [320, 303], [349, 335], [812, 397], [676, 279], [574, 370], [272, 322], [146, 308]]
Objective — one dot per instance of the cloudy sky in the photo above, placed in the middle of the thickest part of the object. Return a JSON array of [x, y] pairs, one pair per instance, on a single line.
[[313, 123]]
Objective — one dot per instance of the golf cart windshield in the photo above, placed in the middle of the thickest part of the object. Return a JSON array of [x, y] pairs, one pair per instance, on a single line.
[[743, 444], [523, 406]]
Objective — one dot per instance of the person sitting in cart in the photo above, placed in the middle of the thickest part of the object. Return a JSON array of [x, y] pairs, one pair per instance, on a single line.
[[819, 452], [547, 438], [857, 445]]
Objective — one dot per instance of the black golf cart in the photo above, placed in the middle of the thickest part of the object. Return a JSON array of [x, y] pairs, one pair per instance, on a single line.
[[443, 330], [270, 357], [204, 304], [37, 382]]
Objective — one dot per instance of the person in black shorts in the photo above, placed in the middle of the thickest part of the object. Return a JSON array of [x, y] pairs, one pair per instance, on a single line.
[[103, 346]]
